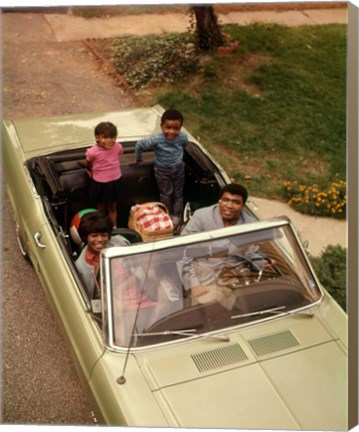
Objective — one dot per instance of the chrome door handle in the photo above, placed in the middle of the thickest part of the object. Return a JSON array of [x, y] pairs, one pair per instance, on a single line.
[[37, 237]]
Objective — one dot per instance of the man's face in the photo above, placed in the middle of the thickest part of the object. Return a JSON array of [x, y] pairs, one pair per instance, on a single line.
[[96, 242], [230, 207], [171, 129]]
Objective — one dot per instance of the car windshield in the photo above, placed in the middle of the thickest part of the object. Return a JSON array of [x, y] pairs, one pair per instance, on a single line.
[[250, 275]]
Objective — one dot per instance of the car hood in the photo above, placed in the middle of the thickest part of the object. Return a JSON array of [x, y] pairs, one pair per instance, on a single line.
[[290, 377]]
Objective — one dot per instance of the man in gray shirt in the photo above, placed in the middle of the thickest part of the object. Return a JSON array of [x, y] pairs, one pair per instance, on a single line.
[[199, 275], [228, 211]]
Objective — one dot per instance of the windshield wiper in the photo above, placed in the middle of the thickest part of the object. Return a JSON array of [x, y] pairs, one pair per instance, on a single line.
[[188, 333], [275, 310]]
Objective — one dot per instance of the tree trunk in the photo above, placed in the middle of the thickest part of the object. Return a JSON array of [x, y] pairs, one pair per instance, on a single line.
[[208, 32]]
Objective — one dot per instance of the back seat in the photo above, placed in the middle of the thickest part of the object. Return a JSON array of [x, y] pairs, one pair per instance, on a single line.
[[139, 183], [139, 186]]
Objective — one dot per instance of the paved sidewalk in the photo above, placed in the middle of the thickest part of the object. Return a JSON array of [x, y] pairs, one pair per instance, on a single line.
[[319, 231], [68, 27]]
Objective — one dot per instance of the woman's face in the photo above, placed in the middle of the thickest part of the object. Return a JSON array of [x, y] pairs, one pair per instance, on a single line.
[[97, 241]]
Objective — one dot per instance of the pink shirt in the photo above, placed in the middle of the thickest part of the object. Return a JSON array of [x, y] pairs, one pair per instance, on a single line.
[[105, 162]]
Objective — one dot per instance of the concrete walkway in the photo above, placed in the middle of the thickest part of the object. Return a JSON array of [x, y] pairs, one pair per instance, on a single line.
[[70, 27], [319, 231]]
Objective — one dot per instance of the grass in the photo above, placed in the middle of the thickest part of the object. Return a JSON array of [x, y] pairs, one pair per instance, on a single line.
[[271, 113]]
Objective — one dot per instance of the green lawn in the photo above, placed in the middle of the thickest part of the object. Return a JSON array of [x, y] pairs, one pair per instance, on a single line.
[[275, 110], [272, 112]]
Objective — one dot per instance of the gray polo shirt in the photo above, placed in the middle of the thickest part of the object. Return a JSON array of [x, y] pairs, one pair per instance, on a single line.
[[196, 272], [209, 218]]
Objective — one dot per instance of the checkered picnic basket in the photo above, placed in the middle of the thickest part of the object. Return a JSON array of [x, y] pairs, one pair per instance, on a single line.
[[151, 220]]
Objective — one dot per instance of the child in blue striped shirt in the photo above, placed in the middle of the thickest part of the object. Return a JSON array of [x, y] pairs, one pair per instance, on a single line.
[[168, 147]]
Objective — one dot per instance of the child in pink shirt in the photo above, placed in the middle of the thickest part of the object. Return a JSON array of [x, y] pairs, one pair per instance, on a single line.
[[103, 167]]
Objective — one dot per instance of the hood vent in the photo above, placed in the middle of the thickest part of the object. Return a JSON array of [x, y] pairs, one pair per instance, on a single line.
[[219, 357], [273, 343]]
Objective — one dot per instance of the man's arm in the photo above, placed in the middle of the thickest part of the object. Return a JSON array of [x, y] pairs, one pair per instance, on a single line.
[[195, 224]]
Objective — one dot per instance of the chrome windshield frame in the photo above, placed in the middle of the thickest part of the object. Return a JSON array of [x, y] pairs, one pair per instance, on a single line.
[[151, 247]]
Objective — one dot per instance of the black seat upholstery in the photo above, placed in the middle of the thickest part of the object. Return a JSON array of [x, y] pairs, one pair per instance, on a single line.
[[131, 235]]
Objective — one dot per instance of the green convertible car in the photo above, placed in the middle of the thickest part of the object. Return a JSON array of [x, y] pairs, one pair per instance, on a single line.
[[272, 357]]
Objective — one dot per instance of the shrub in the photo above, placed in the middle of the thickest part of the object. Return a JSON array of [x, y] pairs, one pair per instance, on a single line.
[[311, 200], [330, 268], [155, 59]]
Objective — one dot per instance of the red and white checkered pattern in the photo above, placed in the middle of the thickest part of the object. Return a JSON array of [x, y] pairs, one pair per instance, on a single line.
[[151, 219]]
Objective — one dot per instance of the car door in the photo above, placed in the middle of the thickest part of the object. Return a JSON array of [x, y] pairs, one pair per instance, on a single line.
[[43, 246]]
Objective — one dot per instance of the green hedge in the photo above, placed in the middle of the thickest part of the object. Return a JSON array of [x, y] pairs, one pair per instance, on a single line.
[[330, 268]]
